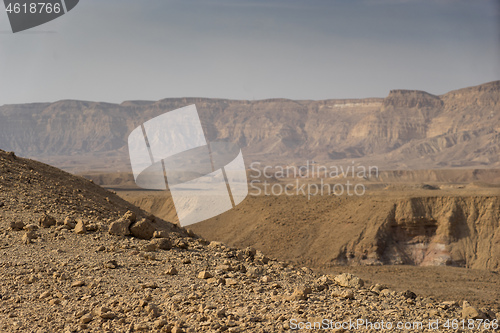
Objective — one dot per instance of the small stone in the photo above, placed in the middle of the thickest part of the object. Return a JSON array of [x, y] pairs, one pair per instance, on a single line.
[[254, 272], [250, 252], [150, 247], [215, 244], [347, 294], [17, 225], [162, 243], [120, 227], [181, 244], [28, 236], [45, 294], [143, 229], [47, 221], [204, 275], [266, 279], [31, 227], [111, 264], [171, 271], [141, 327], [176, 329], [92, 227], [221, 313], [349, 280], [108, 315], [129, 215], [300, 293], [54, 301], [153, 310], [102, 310], [69, 222], [78, 283], [159, 323], [409, 294], [231, 282], [470, 312], [160, 234], [86, 318], [80, 228], [149, 285]]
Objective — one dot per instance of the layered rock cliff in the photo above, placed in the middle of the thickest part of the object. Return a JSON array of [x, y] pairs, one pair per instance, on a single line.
[[407, 129]]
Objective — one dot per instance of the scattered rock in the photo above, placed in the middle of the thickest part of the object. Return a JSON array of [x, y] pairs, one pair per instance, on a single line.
[[69, 222], [204, 275], [129, 215], [409, 294], [120, 227], [47, 221], [78, 283], [349, 280], [17, 225], [181, 244], [31, 227], [29, 236], [150, 247], [177, 329], [250, 252], [111, 264], [143, 229], [347, 294], [162, 243], [45, 294], [171, 271], [160, 234], [470, 312], [92, 227], [300, 293], [86, 318], [80, 228]]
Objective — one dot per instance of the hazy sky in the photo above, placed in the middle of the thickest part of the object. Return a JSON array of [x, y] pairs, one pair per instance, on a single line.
[[312, 49]]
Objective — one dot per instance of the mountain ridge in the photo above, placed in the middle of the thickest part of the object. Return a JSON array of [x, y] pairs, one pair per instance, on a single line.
[[406, 129]]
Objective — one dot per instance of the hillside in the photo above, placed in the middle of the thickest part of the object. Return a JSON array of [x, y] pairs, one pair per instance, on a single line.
[[65, 275], [405, 130]]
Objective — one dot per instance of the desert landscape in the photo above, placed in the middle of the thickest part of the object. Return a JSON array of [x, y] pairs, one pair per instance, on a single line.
[[90, 251]]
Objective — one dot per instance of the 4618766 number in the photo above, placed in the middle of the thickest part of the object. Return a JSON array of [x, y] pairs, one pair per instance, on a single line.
[[34, 8]]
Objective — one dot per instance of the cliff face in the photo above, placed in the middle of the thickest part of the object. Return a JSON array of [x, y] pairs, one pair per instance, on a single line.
[[407, 129], [373, 230], [461, 231]]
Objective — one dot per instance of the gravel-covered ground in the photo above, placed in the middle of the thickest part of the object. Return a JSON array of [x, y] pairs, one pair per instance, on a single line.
[[62, 271]]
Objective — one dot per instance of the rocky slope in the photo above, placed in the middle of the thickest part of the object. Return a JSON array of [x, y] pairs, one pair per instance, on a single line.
[[74, 276], [407, 129]]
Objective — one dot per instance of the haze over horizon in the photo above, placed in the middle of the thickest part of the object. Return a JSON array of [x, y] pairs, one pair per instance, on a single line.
[[117, 51]]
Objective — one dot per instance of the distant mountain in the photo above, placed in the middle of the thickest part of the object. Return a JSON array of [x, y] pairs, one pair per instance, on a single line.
[[406, 130]]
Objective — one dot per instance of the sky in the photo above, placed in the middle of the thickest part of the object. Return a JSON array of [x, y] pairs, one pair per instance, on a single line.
[[117, 50]]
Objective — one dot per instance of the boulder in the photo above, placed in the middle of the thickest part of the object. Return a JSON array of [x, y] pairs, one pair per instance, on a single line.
[[162, 243], [470, 312], [47, 221], [143, 229], [120, 227], [80, 228], [349, 280]]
